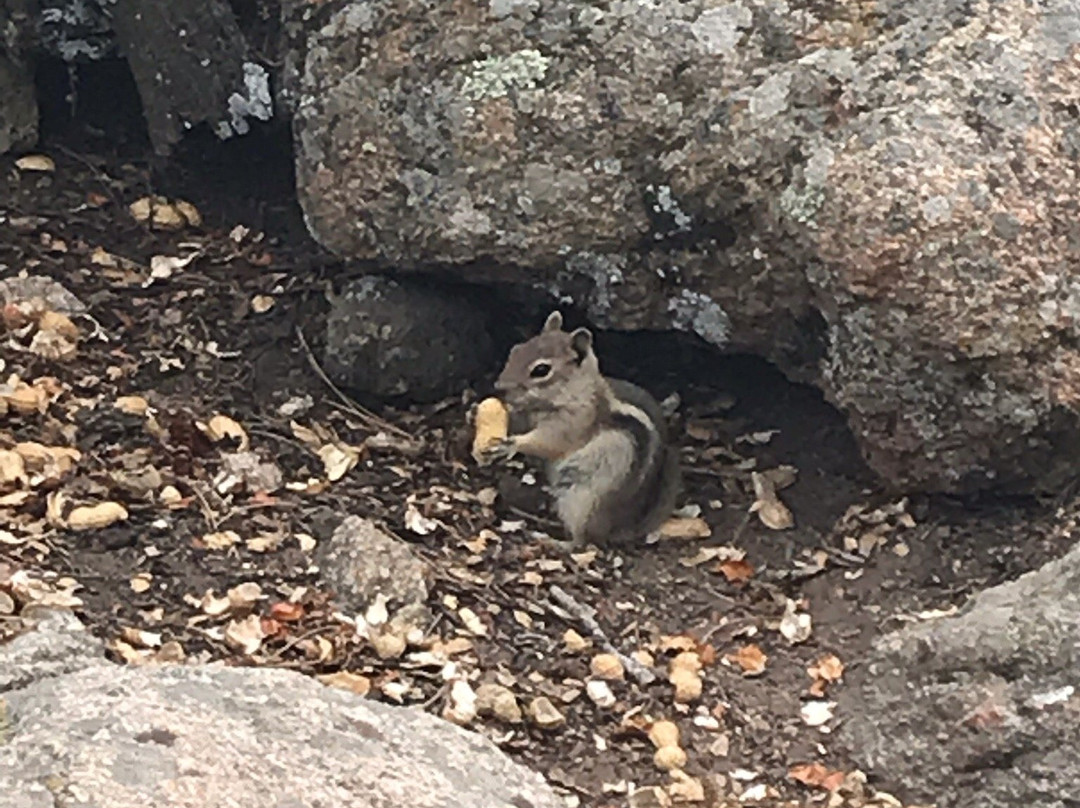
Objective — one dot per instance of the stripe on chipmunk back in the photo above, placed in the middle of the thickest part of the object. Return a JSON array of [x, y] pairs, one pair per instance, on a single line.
[[637, 422]]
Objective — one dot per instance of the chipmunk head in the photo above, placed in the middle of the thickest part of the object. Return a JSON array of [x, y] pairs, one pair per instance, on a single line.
[[552, 363]]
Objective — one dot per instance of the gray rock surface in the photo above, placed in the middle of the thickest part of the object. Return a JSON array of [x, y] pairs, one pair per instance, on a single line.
[[390, 338], [121, 737], [18, 104], [879, 197], [191, 65], [75, 30], [360, 561], [978, 710], [59, 644]]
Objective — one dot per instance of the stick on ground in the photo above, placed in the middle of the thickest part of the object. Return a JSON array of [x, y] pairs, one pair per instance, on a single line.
[[585, 615]]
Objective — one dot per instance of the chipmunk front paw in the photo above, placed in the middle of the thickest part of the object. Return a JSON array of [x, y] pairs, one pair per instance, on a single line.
[[497, 452]]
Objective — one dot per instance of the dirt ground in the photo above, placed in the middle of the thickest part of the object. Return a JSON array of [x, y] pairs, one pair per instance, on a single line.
[[194, 344]]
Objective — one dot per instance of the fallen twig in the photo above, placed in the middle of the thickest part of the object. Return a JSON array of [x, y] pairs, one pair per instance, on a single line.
[[356, 409], [586, 616]]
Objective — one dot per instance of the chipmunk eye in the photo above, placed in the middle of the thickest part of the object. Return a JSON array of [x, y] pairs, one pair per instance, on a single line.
[[540, 370]]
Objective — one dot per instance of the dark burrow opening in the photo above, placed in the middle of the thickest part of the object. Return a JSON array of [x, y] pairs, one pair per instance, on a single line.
[[754, 409]]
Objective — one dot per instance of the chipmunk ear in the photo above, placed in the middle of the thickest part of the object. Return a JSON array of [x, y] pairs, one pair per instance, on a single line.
[[553, 322], [581, 342]]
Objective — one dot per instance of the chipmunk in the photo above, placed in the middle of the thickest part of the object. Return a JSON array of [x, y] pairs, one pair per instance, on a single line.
[[614, 476]]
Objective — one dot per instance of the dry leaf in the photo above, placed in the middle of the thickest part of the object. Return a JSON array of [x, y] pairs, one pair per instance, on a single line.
[[53, 347], [678, 642], [417, 523], [12, 468], [543, 713], [220, 540], [817, 713], [827, 669], [260, 304], [388, 645], [9, 538], [51, 462], [171, 497], [736, 571], [141, 582], [162, 267], [773, 513], [90, 517], [127, 652], [599, 692], [750, 658], [59, 323], [244, 596], [286, 611], [706, 554], [494, 699], [212, 605], [165, 215], [795, 626], [220, 427], [478, 545], [687, 789], [338, 460], [306, 435], [817, 776], [26, 399], [35, 162], [461, 706], [16, 499], [757, 438], [132, 405], [682, 527], [264, 544], [140, 638], [245, 635], [346, 680], [472, 622], [189, 212]]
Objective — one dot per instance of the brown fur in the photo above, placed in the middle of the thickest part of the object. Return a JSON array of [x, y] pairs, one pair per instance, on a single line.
[[614, 476]]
